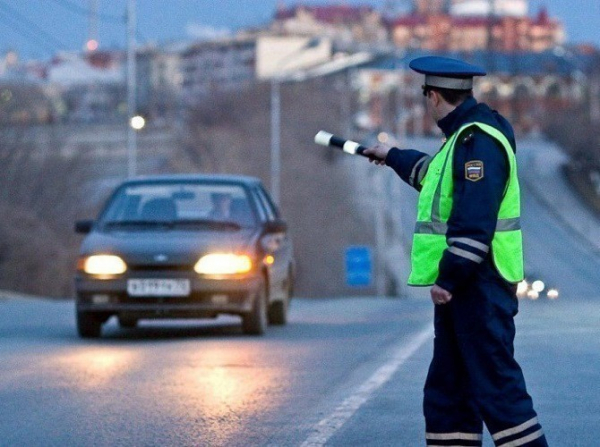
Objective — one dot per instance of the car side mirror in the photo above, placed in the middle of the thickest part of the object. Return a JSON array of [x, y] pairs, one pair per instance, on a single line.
[[84, 226], [276, 226]]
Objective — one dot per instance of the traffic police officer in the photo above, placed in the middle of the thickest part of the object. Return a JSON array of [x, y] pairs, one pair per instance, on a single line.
[[468, 246]]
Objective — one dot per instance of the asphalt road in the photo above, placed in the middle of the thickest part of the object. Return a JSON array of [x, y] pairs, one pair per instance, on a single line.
[[344, 372], [192, 383]]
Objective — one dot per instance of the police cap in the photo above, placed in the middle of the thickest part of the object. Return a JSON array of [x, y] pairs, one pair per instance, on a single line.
[[445, 72]]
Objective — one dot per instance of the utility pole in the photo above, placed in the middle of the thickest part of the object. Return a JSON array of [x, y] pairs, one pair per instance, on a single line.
[[275, 138], [131, 90], [595, 93], [276, 82], [380, 232], [92, 42]]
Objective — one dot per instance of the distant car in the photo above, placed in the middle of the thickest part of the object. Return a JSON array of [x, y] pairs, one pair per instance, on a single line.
[[185, 246]]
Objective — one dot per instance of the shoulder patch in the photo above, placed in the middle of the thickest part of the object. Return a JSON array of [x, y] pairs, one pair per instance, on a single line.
[[474, 170]]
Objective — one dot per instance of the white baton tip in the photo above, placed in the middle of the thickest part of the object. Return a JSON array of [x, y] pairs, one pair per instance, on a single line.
[[323, 138], [351, 147]]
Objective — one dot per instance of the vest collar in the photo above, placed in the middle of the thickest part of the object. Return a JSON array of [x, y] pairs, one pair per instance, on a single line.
[[455, 119]]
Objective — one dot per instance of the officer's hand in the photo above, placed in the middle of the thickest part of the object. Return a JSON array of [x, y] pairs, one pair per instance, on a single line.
[[439, 295], [380, 151]]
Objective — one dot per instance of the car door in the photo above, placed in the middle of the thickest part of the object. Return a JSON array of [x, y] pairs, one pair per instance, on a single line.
[[281, 249]]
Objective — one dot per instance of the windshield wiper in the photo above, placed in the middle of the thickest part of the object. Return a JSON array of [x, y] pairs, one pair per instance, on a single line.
[[138, 223], [217, 224]]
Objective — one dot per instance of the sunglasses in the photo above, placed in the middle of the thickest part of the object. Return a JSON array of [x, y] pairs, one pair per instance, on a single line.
[[426, 90]]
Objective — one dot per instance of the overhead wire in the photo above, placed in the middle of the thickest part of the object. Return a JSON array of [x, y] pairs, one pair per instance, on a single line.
[[24, 32], [75, 8], [16, 17], [40, 36]]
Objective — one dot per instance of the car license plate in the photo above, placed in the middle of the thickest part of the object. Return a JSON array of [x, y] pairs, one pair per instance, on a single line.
[[158, 287]]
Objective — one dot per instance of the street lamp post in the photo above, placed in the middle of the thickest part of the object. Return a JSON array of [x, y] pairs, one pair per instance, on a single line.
[[276, 82], [131, 90], [275, 138]]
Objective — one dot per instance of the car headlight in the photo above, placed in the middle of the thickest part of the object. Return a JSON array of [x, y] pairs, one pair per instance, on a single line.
[[103, 265], [223, 264]]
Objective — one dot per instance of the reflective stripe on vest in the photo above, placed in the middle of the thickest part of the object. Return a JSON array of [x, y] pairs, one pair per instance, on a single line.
[[435, 207]]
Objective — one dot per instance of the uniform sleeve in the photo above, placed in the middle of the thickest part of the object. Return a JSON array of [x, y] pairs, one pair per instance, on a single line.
[[480, 170], [409, 164]]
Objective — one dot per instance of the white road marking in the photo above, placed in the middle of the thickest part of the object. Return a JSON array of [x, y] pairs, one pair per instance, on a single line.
[[328, 426]]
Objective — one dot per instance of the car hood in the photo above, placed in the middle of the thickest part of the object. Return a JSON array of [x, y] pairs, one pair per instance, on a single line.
[[168, 247]]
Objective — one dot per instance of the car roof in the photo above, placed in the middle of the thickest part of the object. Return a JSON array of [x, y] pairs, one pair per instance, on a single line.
[[216, 178]]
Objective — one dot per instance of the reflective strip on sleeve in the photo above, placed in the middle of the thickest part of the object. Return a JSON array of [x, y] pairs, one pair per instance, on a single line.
[[470, 242], [466, 254]]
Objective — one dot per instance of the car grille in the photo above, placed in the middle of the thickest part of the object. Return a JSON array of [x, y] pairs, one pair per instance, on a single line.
[[160, 267], [194, 298]]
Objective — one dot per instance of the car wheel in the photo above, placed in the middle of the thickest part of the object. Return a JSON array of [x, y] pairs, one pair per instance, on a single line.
[[278, 311], [255, 322], [128, 322], [89, 325]]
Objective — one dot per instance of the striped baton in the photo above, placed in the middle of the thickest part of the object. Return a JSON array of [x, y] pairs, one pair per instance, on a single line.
[[350, 147]]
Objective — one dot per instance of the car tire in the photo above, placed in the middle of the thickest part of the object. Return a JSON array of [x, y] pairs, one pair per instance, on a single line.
[[128, 322], [278, 311], [89, 325], [255, 322]]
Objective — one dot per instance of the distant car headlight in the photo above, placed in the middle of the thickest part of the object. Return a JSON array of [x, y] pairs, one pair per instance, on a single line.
[[538, 286], [522, 288], [552, 294], [223, 264], [103, 265]]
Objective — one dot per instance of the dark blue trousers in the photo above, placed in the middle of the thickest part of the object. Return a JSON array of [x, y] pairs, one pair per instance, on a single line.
[[474, 378]]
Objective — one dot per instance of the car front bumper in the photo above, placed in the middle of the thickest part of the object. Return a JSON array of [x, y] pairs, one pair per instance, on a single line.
[[207, 298]]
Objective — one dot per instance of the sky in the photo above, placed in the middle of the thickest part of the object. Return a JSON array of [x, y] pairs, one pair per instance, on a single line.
[[37, 29]]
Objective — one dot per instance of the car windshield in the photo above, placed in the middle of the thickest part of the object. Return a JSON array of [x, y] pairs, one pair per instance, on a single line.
[[180, 205]]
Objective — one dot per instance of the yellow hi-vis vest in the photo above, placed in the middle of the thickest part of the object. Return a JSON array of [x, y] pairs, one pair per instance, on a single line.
[[435, 206]]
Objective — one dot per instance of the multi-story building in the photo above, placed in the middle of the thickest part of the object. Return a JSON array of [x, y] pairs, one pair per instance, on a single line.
[[217, 65], [510, 8], [341, 23], [91, 86], [159, 80], [471, 25], [433, 25]]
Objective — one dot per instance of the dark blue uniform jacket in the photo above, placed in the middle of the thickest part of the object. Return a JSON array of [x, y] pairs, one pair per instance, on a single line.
[[475, 203]]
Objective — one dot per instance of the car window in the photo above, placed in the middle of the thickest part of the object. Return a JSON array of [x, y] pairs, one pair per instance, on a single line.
[[183, 202], [268, 204], [262, 214]]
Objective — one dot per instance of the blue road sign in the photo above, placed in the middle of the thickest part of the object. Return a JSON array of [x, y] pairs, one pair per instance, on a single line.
[[358, 266]]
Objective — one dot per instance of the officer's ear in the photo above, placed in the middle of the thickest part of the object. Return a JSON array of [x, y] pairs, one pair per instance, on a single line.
[[436, 97]]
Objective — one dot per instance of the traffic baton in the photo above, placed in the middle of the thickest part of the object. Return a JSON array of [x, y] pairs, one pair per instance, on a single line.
[[350, 147]]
